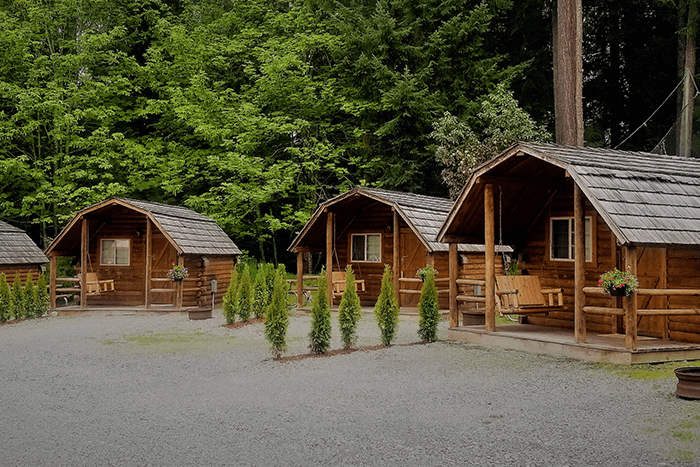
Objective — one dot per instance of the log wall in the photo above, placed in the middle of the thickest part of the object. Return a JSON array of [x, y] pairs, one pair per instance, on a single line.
[[11, 270]]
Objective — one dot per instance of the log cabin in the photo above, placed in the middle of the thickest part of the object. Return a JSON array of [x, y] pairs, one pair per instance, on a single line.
[[125, 248], [571, 214], [358, 228], [19, 254]]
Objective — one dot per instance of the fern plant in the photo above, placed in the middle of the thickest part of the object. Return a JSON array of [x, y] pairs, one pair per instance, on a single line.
[[428, 310], [386, 310], [320, 335], [349, 310]]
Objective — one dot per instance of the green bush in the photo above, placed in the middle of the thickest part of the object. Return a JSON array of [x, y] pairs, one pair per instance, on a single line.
[[42, 296], [276, 317], [5, 299], [261, 292], [244, 298], [320, 335], [230, 297], [30, 302], [428, 310], [349, 310], [17, 300], [386, 311]]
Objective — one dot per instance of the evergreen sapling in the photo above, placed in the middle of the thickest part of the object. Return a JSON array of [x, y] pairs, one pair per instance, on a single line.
[[349, 310], [5, 299], [230, 298], [428, 309], [276, 317], [386, 310], [244, 299], [320, 335], [17, 298]]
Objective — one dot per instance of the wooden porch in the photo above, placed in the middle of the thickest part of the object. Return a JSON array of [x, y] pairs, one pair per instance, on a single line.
[[605, 348]]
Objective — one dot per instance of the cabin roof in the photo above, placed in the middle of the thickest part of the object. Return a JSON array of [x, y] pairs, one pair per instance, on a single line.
[[189, 231], [644, 198], [17, 248], [423, 214]]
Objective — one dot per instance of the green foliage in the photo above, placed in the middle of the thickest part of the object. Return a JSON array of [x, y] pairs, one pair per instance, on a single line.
[[30, 309], [320, 335], [261, 291], [244, 298], [501, 122], [5, 299], [386, 310], [276, 317], [17, 299], [230, 298], [42, 296], [349, 310], [428, 309]]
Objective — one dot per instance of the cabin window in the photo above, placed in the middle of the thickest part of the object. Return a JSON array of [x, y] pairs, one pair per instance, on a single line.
[[562, 239], [115, 252], [367, 247]]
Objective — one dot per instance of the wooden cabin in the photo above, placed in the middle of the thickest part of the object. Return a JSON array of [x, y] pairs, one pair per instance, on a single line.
[[124, 249], [359, 228], [19, 254], [573, 213]]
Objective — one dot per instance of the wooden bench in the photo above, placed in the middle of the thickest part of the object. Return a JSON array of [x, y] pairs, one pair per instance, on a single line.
[[523, 295], [338, 279]]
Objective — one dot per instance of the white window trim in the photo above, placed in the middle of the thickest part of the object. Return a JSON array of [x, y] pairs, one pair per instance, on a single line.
[[588, 239], [365, 260], [115, 264]]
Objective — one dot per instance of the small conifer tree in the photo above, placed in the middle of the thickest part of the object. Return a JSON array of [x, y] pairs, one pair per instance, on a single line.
[[17, 298], [230, 298], [320, 335], [276, 317], [29, 297], [386, 310], [244, 298], [261, 293], [349, 310], [428, 309], [42, 296], [5, 299]]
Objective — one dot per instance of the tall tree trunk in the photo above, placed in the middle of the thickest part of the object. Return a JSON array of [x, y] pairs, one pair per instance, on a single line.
[[567, 40], [687, 16]]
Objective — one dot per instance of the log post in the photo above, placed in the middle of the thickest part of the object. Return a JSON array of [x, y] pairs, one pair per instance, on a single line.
[[300, 279], [52, 280], [490, 258], [179, 285], [452, 261], [84, 246], [579, 265], [631, 301], [149, 263], [396, 258], [329, 256]]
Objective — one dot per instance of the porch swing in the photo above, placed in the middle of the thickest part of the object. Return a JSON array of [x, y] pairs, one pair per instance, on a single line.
[[93, 284], [523, 295], [338, 277]]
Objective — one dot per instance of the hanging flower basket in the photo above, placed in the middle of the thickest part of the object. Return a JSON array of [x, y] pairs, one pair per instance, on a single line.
[[618, 283], [423, 272], [178, 273]]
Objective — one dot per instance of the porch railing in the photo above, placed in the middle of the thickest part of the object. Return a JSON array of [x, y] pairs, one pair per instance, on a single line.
[[601, 310], [404, 281]]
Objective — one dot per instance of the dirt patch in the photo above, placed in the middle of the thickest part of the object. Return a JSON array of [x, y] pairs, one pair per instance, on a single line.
[[332, 353], [240, 324]]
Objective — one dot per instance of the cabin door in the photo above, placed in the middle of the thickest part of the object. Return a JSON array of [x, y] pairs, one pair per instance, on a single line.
[[164, 256], [412, 259], [651, 272]]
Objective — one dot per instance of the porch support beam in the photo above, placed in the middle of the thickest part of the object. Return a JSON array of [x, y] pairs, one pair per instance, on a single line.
[[490, 258], [84, 245], [179, 285], [396, 256], [52, 281], [579, 265], [452, 261], [631, 300], [300, 279], [149, 263], [329, 256]]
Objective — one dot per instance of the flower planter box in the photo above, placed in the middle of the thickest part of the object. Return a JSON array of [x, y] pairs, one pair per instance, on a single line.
[[688, 382]]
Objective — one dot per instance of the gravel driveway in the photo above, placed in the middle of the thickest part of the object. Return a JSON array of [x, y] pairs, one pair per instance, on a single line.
[[160, 390]]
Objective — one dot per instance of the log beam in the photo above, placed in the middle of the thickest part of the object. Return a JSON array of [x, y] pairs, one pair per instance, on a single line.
[[490, 257]]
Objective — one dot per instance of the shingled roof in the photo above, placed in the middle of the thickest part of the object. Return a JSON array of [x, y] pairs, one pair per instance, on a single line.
[[17, 248], [423, 214], [644, 198], [189, 231]]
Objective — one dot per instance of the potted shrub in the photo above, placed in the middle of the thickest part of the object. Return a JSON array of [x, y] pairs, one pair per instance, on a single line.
[[618, 283]]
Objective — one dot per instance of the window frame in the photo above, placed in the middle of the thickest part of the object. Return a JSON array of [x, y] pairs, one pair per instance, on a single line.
[[366, 247], [590, 243], [115, 259]]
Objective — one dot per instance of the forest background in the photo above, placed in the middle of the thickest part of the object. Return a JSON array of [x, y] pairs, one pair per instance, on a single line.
[[254, 111]]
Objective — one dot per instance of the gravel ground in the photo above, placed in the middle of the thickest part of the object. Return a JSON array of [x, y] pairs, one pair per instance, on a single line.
[[160, 390]]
